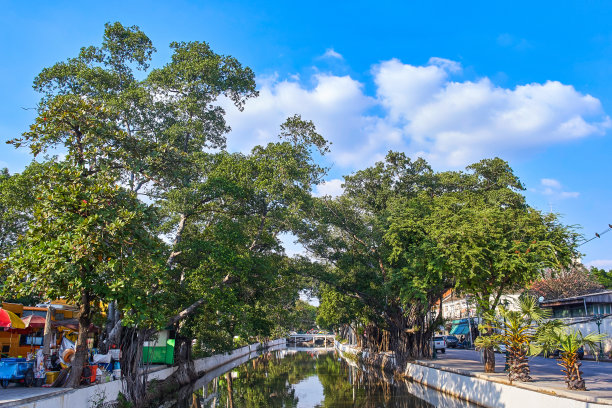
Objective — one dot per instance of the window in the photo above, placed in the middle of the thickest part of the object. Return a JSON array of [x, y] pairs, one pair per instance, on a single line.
[[41, 313], [34, 339]]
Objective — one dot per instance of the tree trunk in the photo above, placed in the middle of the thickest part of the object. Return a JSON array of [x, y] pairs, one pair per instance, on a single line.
[[81, 355], [519, 366], [133, 372], [185, 372], [573, 375], [489, 360], [230, 391]]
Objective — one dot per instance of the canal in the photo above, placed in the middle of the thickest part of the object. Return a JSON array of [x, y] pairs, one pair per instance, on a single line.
[[308, 378]]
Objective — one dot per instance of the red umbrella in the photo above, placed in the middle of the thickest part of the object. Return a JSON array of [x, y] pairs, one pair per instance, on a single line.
[[10, 320], [34, 322]]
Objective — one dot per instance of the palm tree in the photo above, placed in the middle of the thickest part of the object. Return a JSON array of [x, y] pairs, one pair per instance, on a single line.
[[567, 341], [515, 329]]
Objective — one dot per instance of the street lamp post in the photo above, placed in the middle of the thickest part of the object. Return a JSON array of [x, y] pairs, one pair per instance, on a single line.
[[506, 352], [467, 304], [598, 323]]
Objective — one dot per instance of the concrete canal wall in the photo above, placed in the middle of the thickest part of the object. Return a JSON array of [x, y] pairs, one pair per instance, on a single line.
[[479, 389], [94, 395], [490, 394]]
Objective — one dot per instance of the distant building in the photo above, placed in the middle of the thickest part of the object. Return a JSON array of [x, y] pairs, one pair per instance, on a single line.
[[590, 313], [580, 306], [461, 307], [461, 313]]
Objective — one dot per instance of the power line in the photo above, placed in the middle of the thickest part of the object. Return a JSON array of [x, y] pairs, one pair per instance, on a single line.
[[598, 235]]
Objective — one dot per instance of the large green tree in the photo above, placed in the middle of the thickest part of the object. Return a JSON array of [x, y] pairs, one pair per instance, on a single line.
[[229, 256], [86, 232], [493, 242], [373, 250]]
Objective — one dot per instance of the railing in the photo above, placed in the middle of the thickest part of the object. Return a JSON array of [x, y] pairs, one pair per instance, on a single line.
[[311, 338]]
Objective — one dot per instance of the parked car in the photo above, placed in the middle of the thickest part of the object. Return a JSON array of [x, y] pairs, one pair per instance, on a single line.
[[451, 341], [439, 343]]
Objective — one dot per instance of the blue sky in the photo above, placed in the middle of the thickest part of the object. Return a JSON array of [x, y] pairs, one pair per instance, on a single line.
[[451, 81]]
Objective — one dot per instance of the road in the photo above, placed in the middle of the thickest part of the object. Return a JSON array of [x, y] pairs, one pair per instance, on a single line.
[[544, 371]]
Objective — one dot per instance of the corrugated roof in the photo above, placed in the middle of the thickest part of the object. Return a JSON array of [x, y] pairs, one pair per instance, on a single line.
[[599, 297]]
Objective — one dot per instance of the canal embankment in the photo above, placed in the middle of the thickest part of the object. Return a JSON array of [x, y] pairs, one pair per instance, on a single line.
[[95, 395], [459, 373]]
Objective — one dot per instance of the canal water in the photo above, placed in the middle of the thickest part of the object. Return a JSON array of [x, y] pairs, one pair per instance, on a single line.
[[305, 378]]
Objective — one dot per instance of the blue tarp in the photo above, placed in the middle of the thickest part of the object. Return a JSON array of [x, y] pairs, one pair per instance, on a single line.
[[460, 329]]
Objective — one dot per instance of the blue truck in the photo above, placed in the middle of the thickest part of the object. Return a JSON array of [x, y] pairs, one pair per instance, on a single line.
[[16, 370]]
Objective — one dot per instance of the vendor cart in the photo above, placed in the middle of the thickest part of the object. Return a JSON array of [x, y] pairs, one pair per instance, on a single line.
[[16, 370]]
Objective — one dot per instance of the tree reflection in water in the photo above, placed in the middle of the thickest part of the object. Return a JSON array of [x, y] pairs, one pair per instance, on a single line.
[[270, 381]]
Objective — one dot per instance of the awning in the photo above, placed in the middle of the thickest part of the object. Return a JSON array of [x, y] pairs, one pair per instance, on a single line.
[[460, 329], [73, 324]]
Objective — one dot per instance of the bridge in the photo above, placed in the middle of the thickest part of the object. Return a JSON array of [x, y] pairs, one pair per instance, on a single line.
[[311, 338]]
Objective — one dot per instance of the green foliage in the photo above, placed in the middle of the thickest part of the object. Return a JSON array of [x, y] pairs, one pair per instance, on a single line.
[[86, 235], [492, 240], [302, 317], [380, 267], [15, 203], [336, 309], [254, 198], [603, 277], [400, 235]]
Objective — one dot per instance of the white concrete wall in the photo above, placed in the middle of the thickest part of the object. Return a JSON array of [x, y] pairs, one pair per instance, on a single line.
[[591, 327], [87, 397], [488, 393], [212, 362]]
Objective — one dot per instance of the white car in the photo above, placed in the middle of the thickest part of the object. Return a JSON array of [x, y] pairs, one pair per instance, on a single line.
[[439, 343]]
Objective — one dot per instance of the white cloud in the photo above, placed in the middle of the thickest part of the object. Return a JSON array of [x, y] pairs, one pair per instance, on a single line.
[[332, 188], [601, 263], [550, 183], [330, 53], [460, 122], [554, 189], [336, 104], [448, 65], [423, 111], [510, 41]]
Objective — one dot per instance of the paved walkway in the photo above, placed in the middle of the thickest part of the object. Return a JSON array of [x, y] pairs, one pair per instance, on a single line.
[[544, 371], [16, 392]]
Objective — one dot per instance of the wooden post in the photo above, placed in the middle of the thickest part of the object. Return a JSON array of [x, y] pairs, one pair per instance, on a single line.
[[48, 333]]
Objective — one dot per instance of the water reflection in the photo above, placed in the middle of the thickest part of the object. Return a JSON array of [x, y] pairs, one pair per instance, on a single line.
[[314, 378]]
